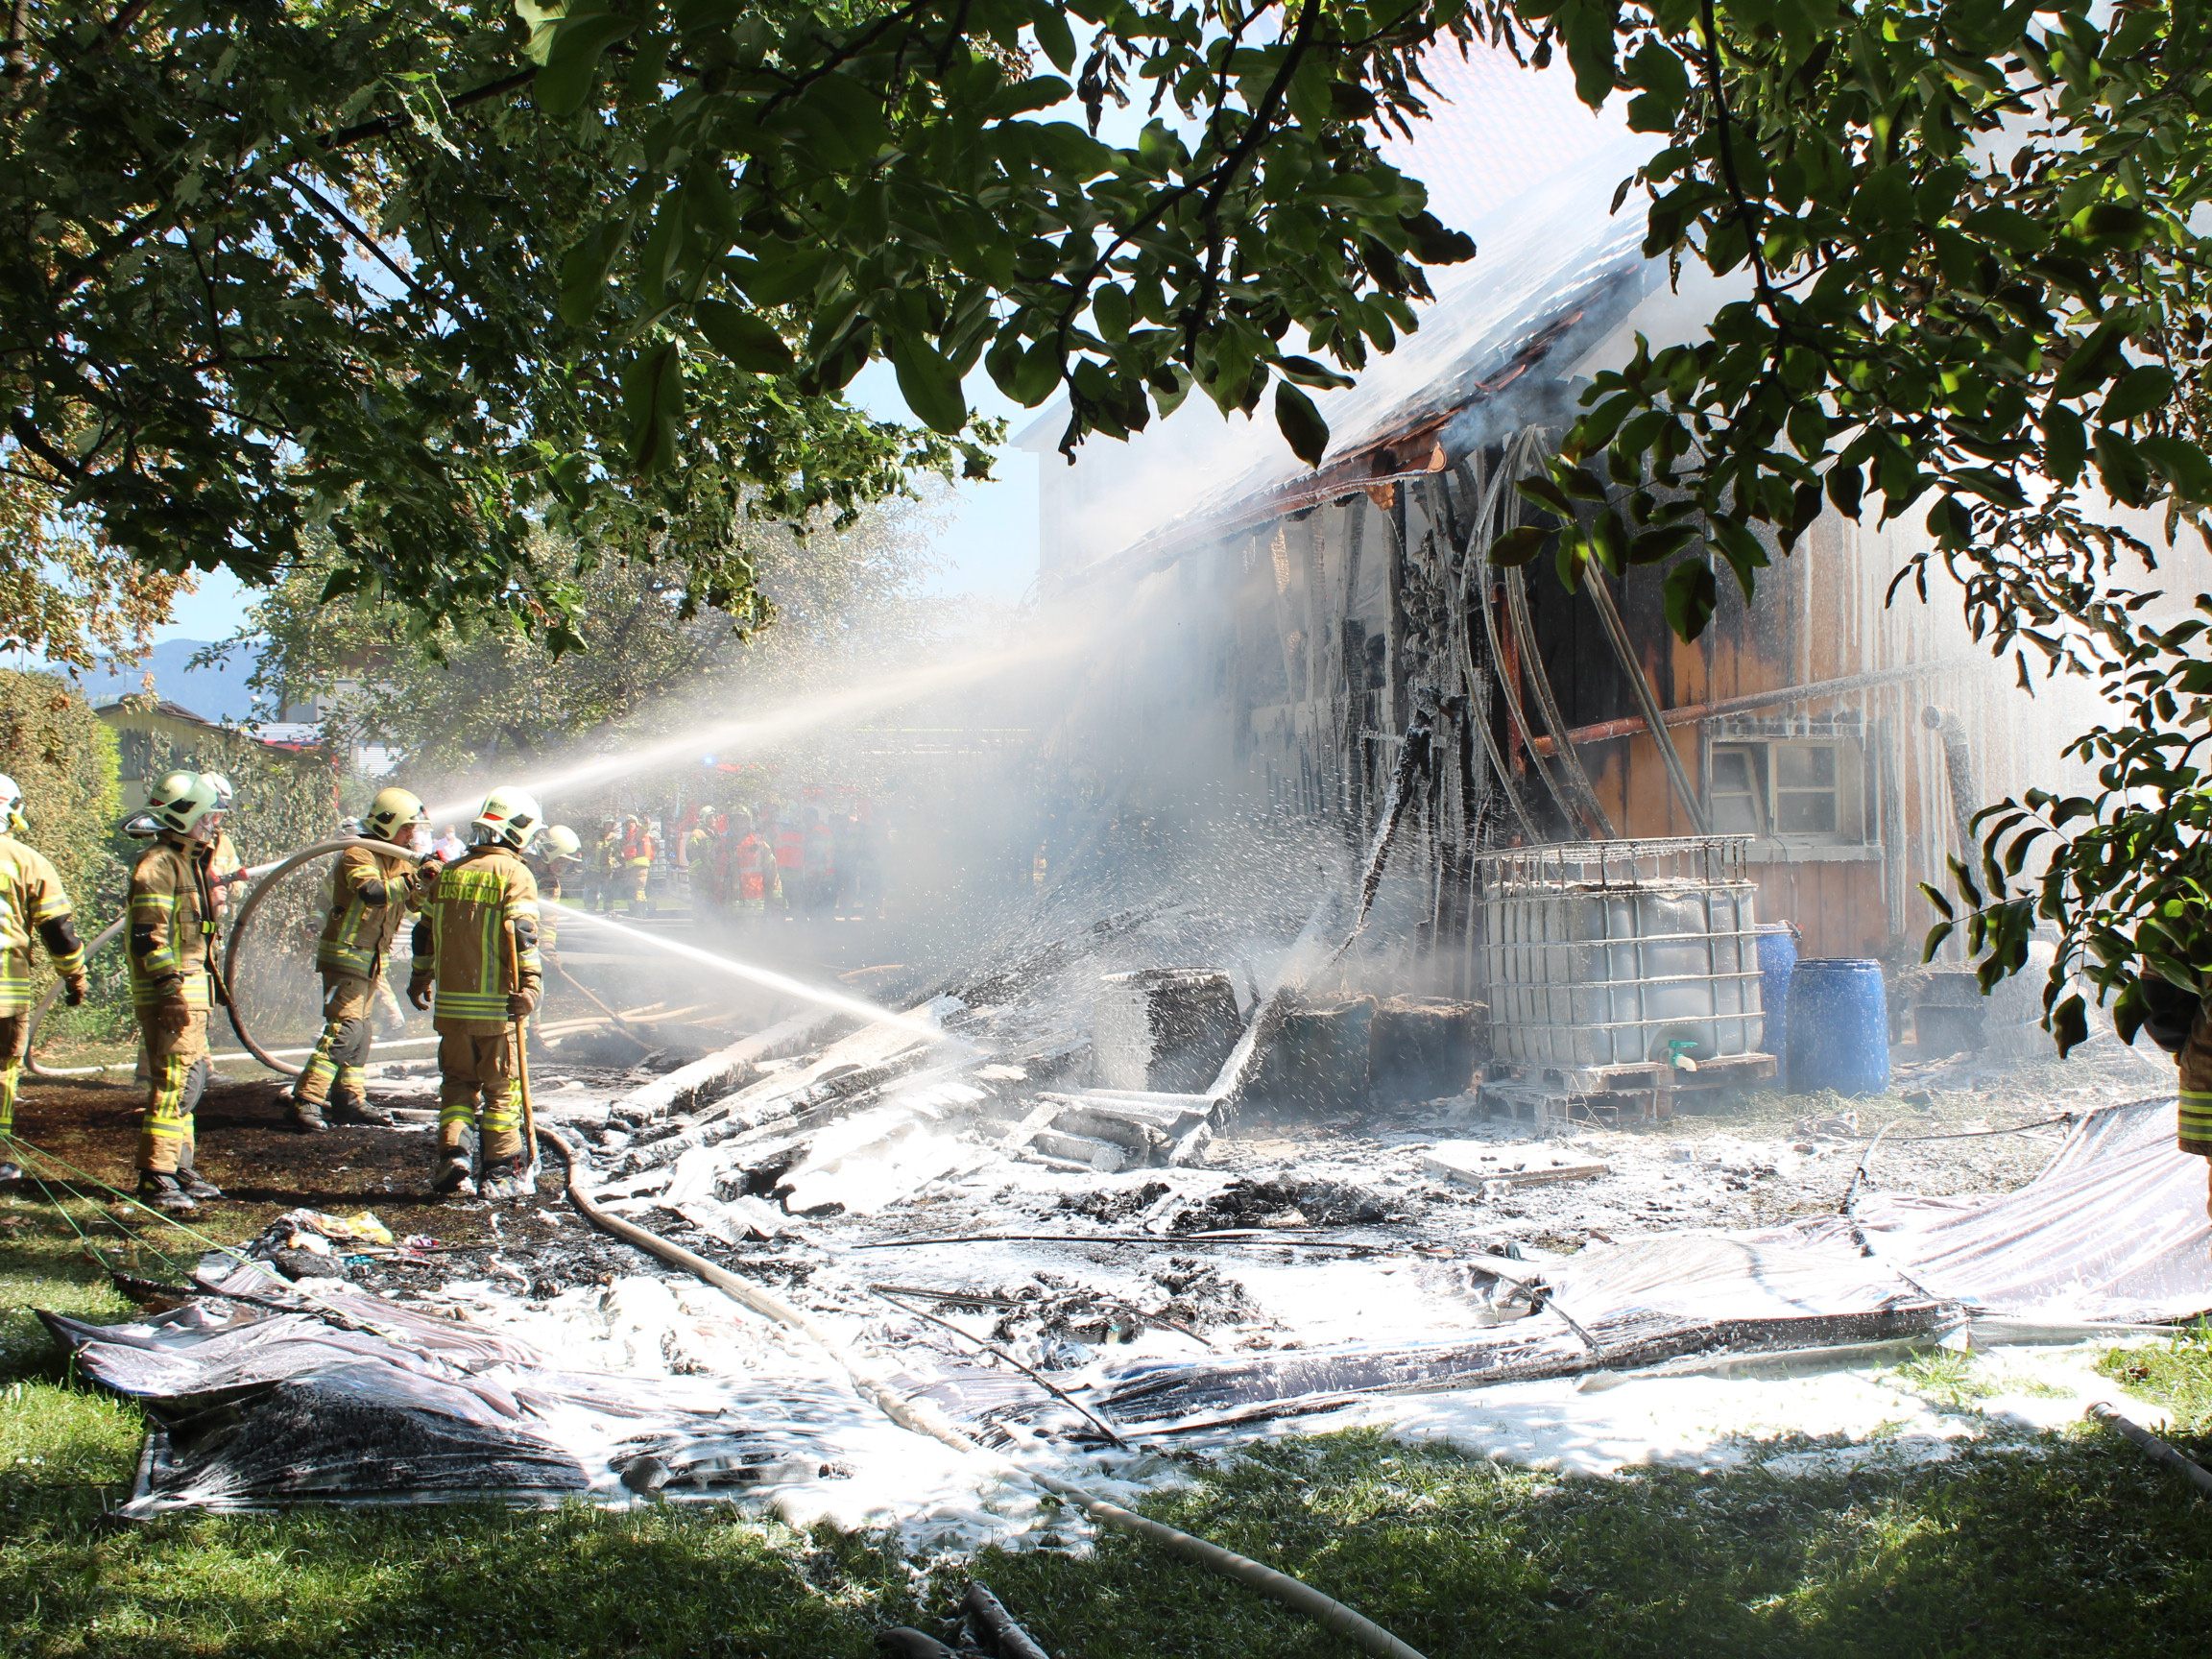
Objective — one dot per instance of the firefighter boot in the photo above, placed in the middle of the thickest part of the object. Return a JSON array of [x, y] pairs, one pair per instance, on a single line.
[[355, 1109], [197, 1186], [304, 1115], [503, 1181], [164, 1193], [454, 1172]]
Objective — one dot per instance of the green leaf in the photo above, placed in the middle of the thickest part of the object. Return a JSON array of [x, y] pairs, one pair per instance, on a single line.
[[929, 384], [1053, 35], [2069, 1024], [2122, 468], [2065, 444], [573, 61], [745, 338], [1518, 547], [652, 403], [1656, 547], [1934, 896], [2184, 466], [1545, 495], [2137, 393], [1588, 25], [1690, 596], [1301, 423], [584, 272], [1937, 934]]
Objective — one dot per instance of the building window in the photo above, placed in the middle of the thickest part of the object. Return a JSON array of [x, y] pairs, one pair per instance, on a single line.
[[1795, 788]]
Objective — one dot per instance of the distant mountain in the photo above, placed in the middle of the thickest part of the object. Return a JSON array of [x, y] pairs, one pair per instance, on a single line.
[[217, 692]]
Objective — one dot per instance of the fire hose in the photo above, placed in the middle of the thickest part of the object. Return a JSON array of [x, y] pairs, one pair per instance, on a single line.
[[265, 877], [921, 1419], [270, 876]]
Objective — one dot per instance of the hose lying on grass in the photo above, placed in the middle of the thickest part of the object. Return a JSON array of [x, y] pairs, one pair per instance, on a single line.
[[2153, 1447], [923, 1419]]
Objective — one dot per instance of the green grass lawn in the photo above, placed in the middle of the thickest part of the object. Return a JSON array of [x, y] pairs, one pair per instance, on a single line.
[[2065, 1544]]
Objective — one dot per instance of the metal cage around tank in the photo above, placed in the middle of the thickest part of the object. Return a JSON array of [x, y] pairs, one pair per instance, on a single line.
[[1605, 954]]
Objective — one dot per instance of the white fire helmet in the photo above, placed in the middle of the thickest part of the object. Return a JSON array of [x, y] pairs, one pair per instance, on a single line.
[[11, 819], [508, 817], [395, 815], [560, 846], [224, 793], [185, 804]]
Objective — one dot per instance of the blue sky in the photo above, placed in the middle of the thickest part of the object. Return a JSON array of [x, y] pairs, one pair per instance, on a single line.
[[988, 543]]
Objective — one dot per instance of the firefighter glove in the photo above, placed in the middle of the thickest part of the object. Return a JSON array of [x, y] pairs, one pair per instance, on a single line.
[[427, 871], [74, 988], [173, 1015], [521, 1004], [418, 992]]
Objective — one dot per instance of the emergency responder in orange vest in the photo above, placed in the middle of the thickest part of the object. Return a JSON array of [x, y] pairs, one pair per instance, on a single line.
[[753, 883], [555, 859], [31, 901], [638, 855], [172, 916], [372, 894], [476, 969]]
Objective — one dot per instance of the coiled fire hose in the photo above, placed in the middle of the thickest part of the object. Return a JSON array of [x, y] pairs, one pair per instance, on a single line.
[[273, 874], [921, 1419], [265, 877]]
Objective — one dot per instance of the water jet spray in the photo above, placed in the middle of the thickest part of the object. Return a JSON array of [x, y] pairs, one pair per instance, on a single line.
[[821, 996]]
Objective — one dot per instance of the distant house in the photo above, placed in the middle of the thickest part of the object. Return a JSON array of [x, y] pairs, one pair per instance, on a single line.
[[153, 736]]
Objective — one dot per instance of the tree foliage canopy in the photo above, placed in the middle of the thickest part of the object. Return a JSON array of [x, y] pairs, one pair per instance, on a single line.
[[421, 276], [1975, 247], [430, 280]]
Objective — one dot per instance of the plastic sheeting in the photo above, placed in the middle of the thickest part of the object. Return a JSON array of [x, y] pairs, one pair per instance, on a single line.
[[267, 1392], [336, 1396], [2113, 1230]]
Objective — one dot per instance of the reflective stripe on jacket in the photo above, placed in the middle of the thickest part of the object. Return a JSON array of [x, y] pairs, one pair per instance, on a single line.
[[30, 896], [170, 928], [468, 915], [356, 934]]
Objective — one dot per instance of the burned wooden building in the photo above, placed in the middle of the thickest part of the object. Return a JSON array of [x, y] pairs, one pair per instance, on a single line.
[[1343, 613]]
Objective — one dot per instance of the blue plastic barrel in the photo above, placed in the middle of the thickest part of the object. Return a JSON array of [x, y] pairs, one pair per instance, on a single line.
[[1839, 1028], [1777, 946]]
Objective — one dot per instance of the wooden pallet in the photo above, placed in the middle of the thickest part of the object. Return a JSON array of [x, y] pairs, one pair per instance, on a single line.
[[1610, 1095]]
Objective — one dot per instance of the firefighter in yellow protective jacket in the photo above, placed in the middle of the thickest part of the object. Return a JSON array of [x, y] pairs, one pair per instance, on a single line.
[[172, 915], [2180, 1022], [372, 894], [476, 969], [32, 902], [556, 857]]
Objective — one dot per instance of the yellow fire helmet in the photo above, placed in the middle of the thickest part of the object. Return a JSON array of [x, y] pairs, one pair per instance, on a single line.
[[182, 802], [11, 819], [508, 817], [560, 846], [393, 814]]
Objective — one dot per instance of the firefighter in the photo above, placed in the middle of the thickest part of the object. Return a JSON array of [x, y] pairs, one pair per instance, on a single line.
[[751, 881], [789, 847], [372, 894], [702, 863], [476, 946], [637, 852], [2181, 1024], [606, 865], [172, 915], [556, 857], [31, 901], [226, 870]]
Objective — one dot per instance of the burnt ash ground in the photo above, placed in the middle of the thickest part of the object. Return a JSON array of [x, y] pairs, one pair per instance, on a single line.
[[266, 1168]]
